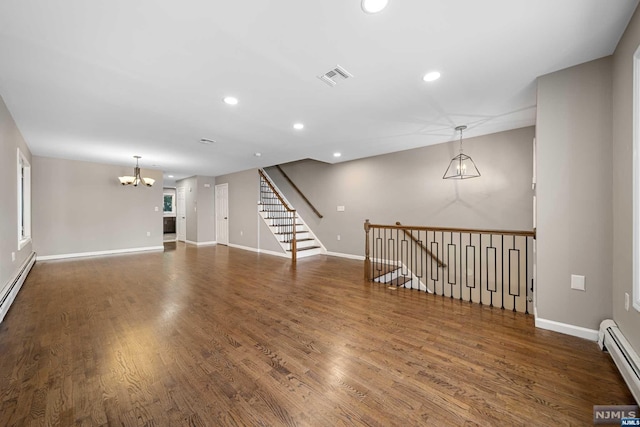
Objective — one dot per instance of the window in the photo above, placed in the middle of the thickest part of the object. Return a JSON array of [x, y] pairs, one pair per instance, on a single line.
[[169, 205], [24, 200]]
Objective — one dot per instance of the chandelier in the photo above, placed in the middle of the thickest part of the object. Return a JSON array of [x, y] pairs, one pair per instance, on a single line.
[[461, 166], [136, 178]]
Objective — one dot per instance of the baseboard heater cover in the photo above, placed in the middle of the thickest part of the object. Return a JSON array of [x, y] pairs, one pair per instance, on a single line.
[[14, 287], [611, 339]]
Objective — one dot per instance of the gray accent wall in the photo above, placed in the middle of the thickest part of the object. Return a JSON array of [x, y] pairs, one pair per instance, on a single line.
[[407, 186], [243, 193], [206, 209], [622, 70], [200, 208], [81, 207], [574, 194], [10, 140], [190, 195]]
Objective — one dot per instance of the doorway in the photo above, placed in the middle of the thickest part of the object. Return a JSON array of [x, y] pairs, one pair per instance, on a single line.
[[222, 214]]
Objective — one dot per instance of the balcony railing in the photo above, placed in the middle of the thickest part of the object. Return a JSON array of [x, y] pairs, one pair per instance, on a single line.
[[492, 267]]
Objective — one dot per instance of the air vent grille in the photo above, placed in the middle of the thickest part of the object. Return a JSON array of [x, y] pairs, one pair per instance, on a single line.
[[336, 73]]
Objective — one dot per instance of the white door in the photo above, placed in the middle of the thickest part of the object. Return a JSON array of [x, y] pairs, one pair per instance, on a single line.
[[222, 214], [181, 218]]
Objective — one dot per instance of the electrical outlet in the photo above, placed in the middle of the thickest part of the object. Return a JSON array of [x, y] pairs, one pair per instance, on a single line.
[[148, 234], [13, 257], [340, 208], [241, 233], [577, 282], [157, 209], [338, 237], [626, 301]]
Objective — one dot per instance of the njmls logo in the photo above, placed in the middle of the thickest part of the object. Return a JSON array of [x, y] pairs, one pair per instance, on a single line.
[[609, 414], [630, 422]]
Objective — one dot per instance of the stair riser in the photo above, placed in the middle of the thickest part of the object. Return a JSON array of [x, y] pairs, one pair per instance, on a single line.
[[310, 252]]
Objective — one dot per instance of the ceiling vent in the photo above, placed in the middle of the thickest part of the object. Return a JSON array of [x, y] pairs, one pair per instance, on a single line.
[[337, 73]]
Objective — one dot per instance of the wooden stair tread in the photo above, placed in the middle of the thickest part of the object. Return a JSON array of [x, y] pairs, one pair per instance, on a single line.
[[305, 249]]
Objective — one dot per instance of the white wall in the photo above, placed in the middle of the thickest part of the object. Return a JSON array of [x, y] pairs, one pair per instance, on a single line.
[[574, 192], [80, 207]]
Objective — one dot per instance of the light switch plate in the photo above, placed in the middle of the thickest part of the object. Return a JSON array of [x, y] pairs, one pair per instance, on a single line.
[[577, 282], [340, 208]]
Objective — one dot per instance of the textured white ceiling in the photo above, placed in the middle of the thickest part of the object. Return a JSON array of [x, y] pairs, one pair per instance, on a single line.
[[105, 80]]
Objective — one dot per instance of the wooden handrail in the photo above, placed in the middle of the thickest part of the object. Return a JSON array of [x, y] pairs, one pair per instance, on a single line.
[[268, 181], [295, 187], [410, 234], [458, 230]]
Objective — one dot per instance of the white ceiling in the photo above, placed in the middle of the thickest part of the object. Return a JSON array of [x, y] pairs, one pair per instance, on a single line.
[[104, 80]]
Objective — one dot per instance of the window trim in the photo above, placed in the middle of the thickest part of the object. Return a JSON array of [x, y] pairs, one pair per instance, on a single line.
[[636, 181], [23, 200]]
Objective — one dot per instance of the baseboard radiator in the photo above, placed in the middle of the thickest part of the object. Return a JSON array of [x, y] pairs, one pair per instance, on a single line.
[[611, 339], [12, 289]]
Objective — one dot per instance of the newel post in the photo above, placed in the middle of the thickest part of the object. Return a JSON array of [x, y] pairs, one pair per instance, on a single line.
[[367, 261]]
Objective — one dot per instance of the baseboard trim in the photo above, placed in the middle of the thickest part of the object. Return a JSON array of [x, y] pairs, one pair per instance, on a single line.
[[564, 328], [211, 243], [259, 251], [348, 256], [274, 253], [15, 284], [100, 253]]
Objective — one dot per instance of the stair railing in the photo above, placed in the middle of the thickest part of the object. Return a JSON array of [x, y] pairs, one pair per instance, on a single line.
[[493, 267], [295, 187], [418, 242], [280, 211]]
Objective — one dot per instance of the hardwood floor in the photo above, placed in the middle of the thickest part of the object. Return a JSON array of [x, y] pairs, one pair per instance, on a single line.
[[217, 336]]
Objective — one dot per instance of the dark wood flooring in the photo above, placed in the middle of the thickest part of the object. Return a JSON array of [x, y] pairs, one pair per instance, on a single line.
[[215, 336]]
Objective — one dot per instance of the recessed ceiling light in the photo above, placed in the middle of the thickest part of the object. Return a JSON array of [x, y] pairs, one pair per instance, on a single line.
[[431, 76], [231, 100], [337, 154], [257, 154], [169, 176], [374, 6], [206, 141], [298, 126]]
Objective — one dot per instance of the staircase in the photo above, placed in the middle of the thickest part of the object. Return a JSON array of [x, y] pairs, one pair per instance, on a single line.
[[397, 276], [282, 220]]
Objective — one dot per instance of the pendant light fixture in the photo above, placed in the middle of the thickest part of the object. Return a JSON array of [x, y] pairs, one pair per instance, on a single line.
[[461, 166], [136, 178]]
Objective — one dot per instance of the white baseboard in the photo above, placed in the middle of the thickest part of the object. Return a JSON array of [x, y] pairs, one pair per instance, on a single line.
[[349, 256], [260, 251], [100, 253], [213, 242], [564, 328], [274, 253], [15, 284], [210, 243]]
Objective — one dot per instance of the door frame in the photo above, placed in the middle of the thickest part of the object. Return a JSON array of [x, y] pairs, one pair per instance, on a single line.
[[181, 204], [222, 222]]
